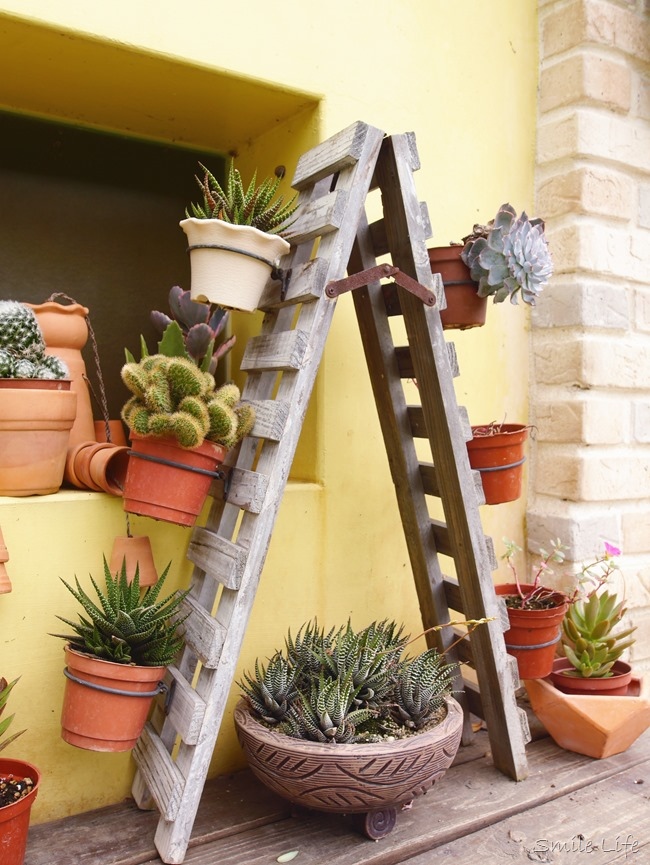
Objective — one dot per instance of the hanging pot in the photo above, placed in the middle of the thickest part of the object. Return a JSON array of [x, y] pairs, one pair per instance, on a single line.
[[615, 685], [137, 553], [500, 459], [105, 705], [598, 726], [533, 634], [14, 818], [465, 309], [167, 482], [115, 434], [36, 417], [230, 264]]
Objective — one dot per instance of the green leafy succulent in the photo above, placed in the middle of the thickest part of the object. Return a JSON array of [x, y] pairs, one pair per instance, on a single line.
[[127, 626], [253, 205], [5, 690], [587, 638]]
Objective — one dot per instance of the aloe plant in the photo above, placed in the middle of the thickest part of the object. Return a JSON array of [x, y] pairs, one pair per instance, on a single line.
[[588, 638], [125, 624], [254, 205], [5, 690]]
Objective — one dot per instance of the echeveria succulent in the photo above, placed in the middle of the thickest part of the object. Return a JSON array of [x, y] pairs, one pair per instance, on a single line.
[[509, 257]]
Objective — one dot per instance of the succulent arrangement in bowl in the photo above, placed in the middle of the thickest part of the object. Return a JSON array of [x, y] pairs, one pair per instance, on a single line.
[[509, 257], [173, 397], [22, 347], [348, 686]]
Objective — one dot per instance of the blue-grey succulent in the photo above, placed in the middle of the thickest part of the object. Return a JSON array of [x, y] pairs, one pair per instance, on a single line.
[[509, 257], [22, 348]]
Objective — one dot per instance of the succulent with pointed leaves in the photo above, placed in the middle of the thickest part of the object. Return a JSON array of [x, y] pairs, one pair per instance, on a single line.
[[588, 640]]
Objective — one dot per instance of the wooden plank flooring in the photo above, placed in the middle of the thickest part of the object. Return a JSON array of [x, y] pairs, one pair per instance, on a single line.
[[571, 809]]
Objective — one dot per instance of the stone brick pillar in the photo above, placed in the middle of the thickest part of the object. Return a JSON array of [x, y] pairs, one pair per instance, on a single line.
[[590, 375]]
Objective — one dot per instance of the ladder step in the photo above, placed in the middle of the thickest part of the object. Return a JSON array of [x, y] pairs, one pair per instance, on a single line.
[[247, 490], [220, 558], [305, 283], [186, 709], [203, 634], [270, 418], [405, 361], [319, 217], [275, 352], [162, 776], [379, 242], [342, 150]]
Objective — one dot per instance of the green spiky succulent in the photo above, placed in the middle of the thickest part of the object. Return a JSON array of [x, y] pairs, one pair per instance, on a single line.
[[22, 348], [348, 686], [509, 257], [588, 640], [127, 625], [174, 397], [253, 205], [5, 690]]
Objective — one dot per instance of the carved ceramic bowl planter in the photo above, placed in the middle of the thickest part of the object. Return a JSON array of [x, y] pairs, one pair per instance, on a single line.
[[373, 780]]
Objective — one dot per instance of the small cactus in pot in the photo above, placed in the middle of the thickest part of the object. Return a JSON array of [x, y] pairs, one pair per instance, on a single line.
[[22, 347]]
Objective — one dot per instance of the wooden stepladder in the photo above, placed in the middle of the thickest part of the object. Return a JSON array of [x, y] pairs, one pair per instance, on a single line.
[[228, 554]]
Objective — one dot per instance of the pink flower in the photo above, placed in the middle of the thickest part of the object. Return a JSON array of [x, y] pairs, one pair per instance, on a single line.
[[611, 550]]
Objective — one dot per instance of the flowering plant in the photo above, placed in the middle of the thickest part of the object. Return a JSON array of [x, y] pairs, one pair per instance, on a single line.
[[589, 579]]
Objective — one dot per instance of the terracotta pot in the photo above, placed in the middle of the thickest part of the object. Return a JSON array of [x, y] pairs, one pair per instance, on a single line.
[[95, 715], [500, 459], [167, 482], [137, 552], [65, 331], [234, 277], [615, 685], [349, 778], [115, 430], [35, 422], [533, 635], [595, 725], [5, 582], [14, 818], [465, 308]]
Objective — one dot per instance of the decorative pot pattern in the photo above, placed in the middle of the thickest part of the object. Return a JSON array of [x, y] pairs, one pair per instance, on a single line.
[[230, 264], [350, 778], [533, 635], [465, 309]]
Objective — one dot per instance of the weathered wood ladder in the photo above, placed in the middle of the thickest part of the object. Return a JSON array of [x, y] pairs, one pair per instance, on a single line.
[[228, 554]]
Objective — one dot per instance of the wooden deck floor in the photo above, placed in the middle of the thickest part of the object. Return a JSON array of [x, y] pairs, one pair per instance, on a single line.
[[571, 809]]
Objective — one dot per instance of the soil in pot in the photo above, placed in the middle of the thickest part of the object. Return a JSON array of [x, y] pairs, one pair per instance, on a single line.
[[19, 782]]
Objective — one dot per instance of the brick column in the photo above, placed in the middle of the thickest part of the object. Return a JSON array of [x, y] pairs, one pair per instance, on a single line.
[[590, 375]]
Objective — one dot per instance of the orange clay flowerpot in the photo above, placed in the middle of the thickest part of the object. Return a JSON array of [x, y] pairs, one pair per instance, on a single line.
[[5, 582], [465, 309], [595, 725], [136, 551], [106, 705], [35, 421], [167, 482], [14, 818], [533, 635], [500, 459]]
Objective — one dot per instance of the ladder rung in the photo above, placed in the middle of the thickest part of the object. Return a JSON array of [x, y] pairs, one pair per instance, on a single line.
[[452, 594], [247, 490], [525, 726], [186, 709], [405, 361], [203, 634], [473, 696], [463, 647], [220, 558], [465, 422], [379, 243], [441, 537], [319, 217], [270, 418], [275, 352], [305, 283], [163, 778], [340, 151], [453, 359]]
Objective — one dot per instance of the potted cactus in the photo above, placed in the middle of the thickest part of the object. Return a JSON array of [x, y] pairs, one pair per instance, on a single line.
[[37, 407], [181, 428], [235, 238], [116, 657], [507, 258], [342, 721], [19, 782], [592, 703]]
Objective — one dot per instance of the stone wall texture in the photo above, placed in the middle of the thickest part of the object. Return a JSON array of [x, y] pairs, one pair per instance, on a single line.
[[590, 355]]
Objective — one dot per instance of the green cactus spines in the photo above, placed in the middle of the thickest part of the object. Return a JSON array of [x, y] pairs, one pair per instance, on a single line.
[[229, 394], [22, 346], [195, 407], [185, 379], [6, 363], [51, 367], [223, 423], [245, 419], [133, 376], [187, 430]]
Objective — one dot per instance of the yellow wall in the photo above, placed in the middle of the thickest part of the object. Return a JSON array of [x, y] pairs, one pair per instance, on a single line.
[[463, 76]]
